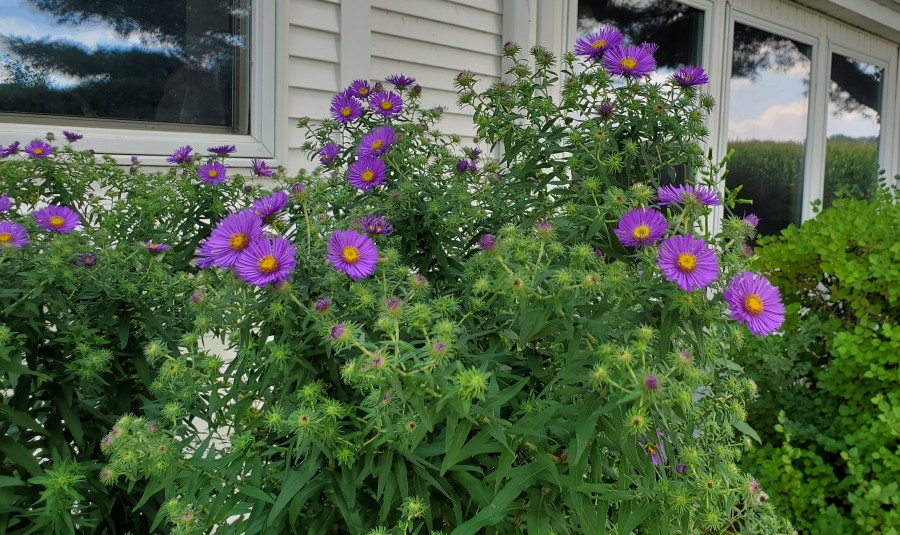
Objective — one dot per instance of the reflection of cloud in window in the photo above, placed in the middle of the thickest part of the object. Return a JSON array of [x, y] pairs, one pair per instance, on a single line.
[[779, 122]]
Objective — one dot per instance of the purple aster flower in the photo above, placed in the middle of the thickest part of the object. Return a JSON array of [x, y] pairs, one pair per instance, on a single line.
[[386, 103], [61, 219], [374, 224], [691, 76], [366, 172], [488, 242], [155, 248], [462, 166], [657, 450], [259, 168], [86, 260], [685, 193], [265, 262], [688, 261], [474, 153], [377, 142], [472, 166], [135, 160], [594, 45], [38, 149], [72, 137], [322, 305], [212, 173], [345, 108], [353, 253], [5, 202], [328, 153], [12, 235], [223, 150], [752, 220], [400, 81], [753, 301], [643, 226], [650, 48], [268, 207], [634, 61], [231, 237], [13, 148], [181, 155], [360, 89]]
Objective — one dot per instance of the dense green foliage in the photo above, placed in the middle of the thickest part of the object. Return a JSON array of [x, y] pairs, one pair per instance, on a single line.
[[828, 388], [72, 336]]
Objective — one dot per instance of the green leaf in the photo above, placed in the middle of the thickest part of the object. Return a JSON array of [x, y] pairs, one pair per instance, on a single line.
[[19, 455]]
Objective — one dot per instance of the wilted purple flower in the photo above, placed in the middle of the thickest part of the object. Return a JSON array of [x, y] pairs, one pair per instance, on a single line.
[[373, 224], [12, 235], [268, 207], [345, 108], [753, 301], [86, 260], [13, 148], [657, 450], [386, 103], [38, 149], [339, 332], [197, 297], [328, 153], [393, 305], [752, 220], [353, 253], [72, 137], [544, 228], [419, 280], [265, 262], [691, 76], [223, 150], [487, 242], [632, 61], [472, 167], [135, 161], [688, 262], [400, 81], [61, 219], [298, 189], [153, 427], [640, 227], [5, 202], [605, 109], [681, 468], [259, 168], [213, 173], [376, 142], [416, 89], [594, 45], [181, 155]]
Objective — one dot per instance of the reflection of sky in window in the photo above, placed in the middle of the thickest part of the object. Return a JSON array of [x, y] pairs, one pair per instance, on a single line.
[[861, 122], [22, 20]]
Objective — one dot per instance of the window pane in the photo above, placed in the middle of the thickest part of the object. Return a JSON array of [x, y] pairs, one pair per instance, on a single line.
[[675, 27], [767, 114], [854, 117], [169, 61]]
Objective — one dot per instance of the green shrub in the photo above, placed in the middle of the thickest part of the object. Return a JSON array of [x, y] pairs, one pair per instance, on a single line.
[[829, 389]]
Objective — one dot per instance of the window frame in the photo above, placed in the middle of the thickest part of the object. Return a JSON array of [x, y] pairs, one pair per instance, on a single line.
[[267, 57]]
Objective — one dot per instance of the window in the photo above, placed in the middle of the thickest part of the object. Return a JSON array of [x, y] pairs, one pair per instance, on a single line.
[[854, 120], [173, 64], [767, 122]]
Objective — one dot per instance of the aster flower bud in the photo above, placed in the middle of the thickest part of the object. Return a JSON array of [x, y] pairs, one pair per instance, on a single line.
[[651, 383], [487, 242]]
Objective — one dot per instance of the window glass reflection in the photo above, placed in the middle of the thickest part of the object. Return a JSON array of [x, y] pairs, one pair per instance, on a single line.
[[854, 117], [767, 119], [174, 61]]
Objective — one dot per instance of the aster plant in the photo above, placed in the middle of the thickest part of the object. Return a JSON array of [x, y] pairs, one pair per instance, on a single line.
[[431, 339]]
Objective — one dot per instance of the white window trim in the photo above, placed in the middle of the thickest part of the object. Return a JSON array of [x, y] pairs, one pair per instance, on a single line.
[[266, 140]]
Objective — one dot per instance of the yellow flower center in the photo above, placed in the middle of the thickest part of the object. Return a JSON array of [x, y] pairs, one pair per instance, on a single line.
[[5, 237], [687, 77], [641, 232], [377, 144], [363, 91], [386, 105], [628, 63], [753, 305], [346, 112], [238, 242], [368, 175], [213, 173], [598, 44], [687, 262], [38, 151], [57, 221], [267, 264], [350, 254]]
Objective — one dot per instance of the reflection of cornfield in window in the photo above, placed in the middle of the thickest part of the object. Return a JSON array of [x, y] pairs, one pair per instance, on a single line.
[[167, 60]]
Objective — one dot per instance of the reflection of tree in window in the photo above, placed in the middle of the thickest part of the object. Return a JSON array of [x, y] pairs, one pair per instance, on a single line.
[[172, 61]]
